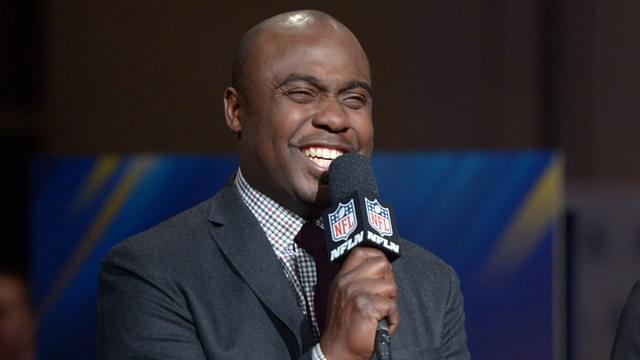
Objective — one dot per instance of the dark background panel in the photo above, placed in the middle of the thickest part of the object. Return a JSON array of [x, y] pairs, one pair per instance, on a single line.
[[92, 77]]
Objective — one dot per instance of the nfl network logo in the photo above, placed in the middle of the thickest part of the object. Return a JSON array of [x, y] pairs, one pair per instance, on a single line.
[[379, 217], [343, 221]]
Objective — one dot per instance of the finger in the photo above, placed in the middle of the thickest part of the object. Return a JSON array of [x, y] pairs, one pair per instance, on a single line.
[[381, 287], [350, 286], [359, 255], [385, 308], [375, 308], [375, 267], [393, 317]]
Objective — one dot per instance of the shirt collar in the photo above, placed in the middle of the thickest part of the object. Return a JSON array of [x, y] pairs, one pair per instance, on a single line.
[[279, 224]]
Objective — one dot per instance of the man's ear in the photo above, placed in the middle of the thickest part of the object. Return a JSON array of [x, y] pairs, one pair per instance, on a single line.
[[232, 110]]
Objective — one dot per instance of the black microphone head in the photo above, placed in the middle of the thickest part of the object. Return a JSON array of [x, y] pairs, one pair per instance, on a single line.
[[349, 173]]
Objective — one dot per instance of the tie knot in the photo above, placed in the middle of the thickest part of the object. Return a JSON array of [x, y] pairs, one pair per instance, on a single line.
[[311, 238]]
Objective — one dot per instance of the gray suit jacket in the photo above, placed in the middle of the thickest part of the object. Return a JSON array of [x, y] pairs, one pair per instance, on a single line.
[[206, 284]]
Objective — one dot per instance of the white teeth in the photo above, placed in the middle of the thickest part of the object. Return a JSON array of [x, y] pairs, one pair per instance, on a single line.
[[324, 153], [322, 156]]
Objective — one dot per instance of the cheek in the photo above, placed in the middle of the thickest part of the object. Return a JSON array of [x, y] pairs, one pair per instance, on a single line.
[[288, 120], [364, 131]]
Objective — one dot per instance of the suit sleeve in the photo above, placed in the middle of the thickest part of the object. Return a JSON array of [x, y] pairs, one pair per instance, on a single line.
[[141, 313], [454, 341]]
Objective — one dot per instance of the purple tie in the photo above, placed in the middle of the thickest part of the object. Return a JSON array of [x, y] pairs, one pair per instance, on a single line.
[[311, 238]]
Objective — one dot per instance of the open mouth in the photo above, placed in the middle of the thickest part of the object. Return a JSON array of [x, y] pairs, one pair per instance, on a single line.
[[322, 156]]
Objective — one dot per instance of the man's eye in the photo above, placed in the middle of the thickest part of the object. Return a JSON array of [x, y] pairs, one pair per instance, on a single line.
[[355, 101], [301, 95]]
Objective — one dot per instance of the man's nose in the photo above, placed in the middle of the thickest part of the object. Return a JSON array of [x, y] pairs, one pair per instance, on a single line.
[[332, 116]]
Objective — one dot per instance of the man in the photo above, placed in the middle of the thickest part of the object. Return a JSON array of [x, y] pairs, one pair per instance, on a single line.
[[227, 279]]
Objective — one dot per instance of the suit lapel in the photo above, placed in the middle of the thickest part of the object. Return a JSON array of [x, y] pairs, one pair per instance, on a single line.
[[242, 240]]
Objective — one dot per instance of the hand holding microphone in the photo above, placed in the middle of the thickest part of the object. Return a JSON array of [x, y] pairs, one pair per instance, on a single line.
[[362, 308], [363, 293]]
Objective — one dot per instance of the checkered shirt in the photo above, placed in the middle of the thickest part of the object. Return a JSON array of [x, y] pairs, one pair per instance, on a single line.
[[281, 226]]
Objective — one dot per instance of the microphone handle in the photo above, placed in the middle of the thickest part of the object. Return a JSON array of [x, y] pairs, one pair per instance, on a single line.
[[382, 349]]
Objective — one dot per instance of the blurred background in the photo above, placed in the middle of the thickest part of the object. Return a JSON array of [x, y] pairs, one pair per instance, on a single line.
[[81, 77]]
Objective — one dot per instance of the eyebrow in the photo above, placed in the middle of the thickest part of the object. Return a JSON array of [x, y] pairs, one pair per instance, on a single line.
[[306, 78], [354, 84], [360, 84]]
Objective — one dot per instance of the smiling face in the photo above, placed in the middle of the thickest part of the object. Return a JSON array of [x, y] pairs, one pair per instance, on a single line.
[[306, 100]]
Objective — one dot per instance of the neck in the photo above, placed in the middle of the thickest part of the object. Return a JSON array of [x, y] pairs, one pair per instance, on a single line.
[[307, 211]]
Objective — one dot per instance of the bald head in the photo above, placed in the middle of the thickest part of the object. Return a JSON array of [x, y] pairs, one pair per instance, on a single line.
[[301, 85], [289, 22]]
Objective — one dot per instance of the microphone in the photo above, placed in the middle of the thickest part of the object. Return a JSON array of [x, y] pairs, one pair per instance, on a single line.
[[357, 217]]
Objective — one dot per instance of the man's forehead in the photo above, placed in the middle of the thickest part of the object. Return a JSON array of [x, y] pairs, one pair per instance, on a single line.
[[325, 59], [288, 38]]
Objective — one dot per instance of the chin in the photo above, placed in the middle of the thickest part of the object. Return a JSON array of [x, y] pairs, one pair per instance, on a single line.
[[315, 202]]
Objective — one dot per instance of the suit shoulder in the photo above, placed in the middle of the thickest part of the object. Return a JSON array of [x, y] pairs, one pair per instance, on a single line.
[[423, 272], [419, 258], [175, 235]]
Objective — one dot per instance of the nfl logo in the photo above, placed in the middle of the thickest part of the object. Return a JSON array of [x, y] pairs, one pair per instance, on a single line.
[[343, 221], [379, 217]]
